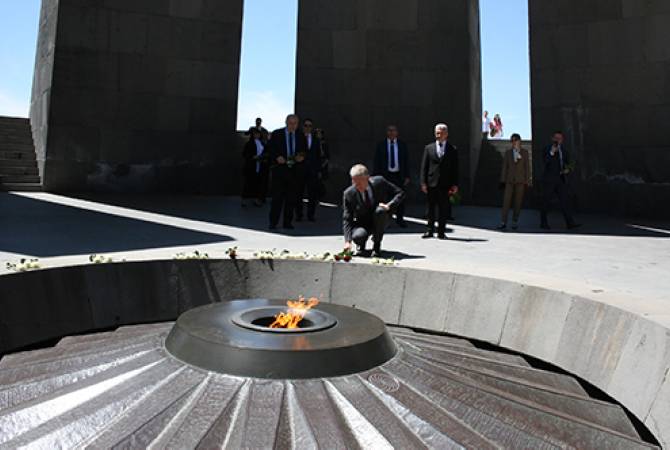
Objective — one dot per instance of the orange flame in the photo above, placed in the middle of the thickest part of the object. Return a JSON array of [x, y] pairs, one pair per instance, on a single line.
[[296, 312]]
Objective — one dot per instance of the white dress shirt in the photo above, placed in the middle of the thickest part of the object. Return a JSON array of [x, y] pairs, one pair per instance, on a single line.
[[392, 147], [259, 152], [441, 148]]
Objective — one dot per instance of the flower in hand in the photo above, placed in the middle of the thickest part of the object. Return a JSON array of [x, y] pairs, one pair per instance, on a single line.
[[345, 255]]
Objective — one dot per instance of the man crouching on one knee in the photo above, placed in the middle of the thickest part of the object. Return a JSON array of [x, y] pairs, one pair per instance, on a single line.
[[368, 205]]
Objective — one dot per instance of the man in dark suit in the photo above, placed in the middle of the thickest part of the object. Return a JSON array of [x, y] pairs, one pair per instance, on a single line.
[[259, 127], [368, 204], [309, 176], [439, 175], [556, 160], [392, 162], [287, 149]]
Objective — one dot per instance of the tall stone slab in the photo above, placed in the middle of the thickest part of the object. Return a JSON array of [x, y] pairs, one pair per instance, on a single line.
[[364, 64], [136, 95], [601, 72]]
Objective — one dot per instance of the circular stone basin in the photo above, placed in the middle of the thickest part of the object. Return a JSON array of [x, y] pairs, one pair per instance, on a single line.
[[232, 338], [259, 319]]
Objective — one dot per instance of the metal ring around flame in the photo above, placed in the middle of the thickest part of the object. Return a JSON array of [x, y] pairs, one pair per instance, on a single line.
[[316, 320]]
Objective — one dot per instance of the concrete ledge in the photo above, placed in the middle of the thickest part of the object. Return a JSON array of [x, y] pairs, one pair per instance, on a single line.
[[623, 353]]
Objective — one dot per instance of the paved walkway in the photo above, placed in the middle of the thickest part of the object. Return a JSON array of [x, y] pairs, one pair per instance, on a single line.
[[619, 262]]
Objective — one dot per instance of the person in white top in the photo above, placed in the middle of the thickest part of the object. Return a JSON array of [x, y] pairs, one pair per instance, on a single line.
[[255, 170], [486, 125]]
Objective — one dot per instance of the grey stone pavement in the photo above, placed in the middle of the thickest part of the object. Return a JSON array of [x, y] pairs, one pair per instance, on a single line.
[[624, 263]]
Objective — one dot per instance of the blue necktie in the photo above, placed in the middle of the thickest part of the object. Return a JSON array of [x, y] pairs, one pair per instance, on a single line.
[[291, 140], [392, 162]]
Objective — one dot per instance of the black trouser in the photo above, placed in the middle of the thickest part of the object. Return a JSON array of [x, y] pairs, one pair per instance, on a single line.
[[397, 179], [551, 187], [283, 195], [255, 184], [438, 198], [300, 180], [312, 186], [374, 225]]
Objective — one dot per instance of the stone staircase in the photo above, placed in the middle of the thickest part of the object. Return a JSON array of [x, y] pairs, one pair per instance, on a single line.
[[18, 163]]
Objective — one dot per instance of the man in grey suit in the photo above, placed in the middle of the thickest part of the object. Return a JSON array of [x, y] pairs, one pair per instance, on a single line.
[[439, 176], [368, 205]]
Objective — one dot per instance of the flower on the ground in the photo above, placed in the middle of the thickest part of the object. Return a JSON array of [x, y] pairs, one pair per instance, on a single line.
[[100, 259], [383, 261], [24, 265], [195, 255]]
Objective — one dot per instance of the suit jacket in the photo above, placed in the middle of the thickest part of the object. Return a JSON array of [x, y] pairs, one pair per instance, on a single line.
[[277, 147], [277, 144], [515, 172], [552, 164], [439, 173], [355, 209], [382, 159], [313, 159]]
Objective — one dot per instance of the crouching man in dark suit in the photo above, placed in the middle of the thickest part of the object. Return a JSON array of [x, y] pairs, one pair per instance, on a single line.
[[368, 205]]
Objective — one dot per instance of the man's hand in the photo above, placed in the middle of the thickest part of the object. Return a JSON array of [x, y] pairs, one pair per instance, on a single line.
[[424, 188], [553, 151], [407, 181], [347, 245], [384, 206], [299, 158], [281, 160]]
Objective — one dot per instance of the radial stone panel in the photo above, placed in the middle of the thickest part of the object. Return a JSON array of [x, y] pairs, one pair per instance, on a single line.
[[366, 64], [124, 389]]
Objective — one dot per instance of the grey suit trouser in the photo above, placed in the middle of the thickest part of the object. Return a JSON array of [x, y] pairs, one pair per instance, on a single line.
[[373, 225]]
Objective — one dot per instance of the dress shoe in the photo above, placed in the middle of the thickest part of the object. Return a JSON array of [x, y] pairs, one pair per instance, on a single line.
[[272, 227], [572, 226], [427, 235], [288, 227], [545, 226], [361, 252], [502, 227], [442, 237], [515, 226], [402, 224], [377, 253]]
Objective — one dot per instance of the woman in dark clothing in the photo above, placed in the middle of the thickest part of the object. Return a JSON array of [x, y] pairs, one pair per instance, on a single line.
[[255, 170]]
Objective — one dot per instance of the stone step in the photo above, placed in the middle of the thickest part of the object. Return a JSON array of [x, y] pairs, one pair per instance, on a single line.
[[5, 179], [13, 162], [14, 122], [21, 187], [12, 171], [24, 155], [13, 146], [16, 139]]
